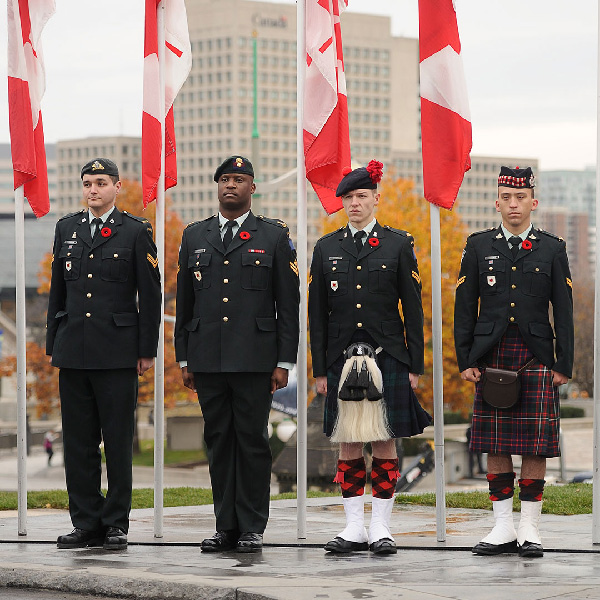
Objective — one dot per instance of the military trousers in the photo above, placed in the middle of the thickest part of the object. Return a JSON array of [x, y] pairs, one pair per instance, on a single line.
[[236, 407], [98, 405]]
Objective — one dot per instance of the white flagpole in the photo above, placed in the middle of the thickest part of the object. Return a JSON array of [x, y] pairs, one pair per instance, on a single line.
[[21, 362], [596, 486], [159, 368], [438, 371], [302, 386]]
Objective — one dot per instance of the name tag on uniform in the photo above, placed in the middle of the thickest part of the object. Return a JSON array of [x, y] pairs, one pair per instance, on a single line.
[[200, 250], [335, 258], [70, 242]]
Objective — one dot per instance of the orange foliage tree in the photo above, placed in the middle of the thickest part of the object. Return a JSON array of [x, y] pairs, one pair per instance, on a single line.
[[401, 208], [46, 389]]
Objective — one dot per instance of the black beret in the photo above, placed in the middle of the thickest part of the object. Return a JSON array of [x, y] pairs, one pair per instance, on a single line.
[[234, 164], [516, 178], [100, 166], [363, 178]]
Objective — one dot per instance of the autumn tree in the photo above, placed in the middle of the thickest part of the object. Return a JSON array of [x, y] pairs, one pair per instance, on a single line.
[[401, 208]]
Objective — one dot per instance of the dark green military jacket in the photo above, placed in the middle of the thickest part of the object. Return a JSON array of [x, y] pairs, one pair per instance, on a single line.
[[104, 307], [237, 310], [350, 291], [495, 290]]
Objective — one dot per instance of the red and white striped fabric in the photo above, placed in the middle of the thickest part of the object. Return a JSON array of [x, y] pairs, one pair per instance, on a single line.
[[326, 131], [178, 62], [445, 117], [26, 86]]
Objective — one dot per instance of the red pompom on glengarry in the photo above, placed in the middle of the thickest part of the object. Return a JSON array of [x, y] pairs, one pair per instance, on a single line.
[[346, 171], [375, 169]]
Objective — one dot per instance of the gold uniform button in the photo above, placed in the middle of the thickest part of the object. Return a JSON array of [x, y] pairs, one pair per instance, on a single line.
[[383, 267], [197, 264], [359, 324], [90, 275], [513, 286], [257, 262], [490, 268], [88, 314], [512, 319], [226, 262], [89, 295], [358, 287], [512, 304], [68, 254], [514, 268], [115, 255], [334, 268], [358, 267], [225, 299], [359, 306], [537, 269], [225, 280], [91, 256], [225, 319]]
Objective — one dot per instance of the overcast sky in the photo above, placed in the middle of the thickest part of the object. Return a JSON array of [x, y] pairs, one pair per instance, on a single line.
[[530, 67]]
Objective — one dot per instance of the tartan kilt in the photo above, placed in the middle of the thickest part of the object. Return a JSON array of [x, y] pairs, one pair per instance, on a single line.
[[531, 426], [406, 417]]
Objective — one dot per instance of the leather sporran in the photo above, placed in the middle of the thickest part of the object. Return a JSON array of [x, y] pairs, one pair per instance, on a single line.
[[501, 388]]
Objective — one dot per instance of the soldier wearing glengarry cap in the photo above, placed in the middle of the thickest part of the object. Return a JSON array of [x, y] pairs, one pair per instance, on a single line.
[[509, 277]]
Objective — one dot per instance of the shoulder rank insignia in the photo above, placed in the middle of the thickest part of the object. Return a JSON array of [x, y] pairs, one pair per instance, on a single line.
[[294, 267], [310, 279], [416, 276], [461, 280], [569, 283], [153, 261]]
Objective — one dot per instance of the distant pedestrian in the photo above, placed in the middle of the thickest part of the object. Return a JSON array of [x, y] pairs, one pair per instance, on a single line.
[[49, 438]]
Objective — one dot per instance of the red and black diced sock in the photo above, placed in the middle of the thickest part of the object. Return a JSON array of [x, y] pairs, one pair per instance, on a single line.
[[352, 476], [384, 475], [531, 490], [502, 486]]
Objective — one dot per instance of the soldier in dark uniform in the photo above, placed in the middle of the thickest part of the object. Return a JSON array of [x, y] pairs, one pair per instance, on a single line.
[[103, 320], [508, 278], [359, 273], [236, 337]]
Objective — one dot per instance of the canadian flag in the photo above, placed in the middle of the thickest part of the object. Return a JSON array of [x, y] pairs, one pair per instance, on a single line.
[[445, 117], [178, 62], [326, 131], [26, 86]]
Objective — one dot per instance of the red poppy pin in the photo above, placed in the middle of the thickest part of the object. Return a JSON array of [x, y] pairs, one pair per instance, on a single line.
[[526, 245], [373, 241], [244, 235], [105, 232]]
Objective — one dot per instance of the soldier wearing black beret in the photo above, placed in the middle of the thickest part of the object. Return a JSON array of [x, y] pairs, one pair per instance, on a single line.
[[365, 358], [103, 321], [509, 277], [236, 337]]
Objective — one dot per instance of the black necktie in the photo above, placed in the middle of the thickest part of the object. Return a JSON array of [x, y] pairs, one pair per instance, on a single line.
[[228, 233], [98, 222], [515, 241], [358, 240]]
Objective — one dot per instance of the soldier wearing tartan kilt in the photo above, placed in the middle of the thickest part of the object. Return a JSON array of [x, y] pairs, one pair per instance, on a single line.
[[358, 275], [508, 278]]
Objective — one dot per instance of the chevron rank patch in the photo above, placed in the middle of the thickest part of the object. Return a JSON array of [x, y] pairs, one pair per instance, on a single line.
[[416, 276], [569, 283], [461, 280], [294, 266], [153, 261]]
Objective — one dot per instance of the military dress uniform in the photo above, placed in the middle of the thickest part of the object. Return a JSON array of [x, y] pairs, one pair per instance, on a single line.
[[236, 319], [354, 297], [103, 314], [501, 320]]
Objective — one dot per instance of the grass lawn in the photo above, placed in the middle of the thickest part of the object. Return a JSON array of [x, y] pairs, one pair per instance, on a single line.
[[172, 457], [571, 499]]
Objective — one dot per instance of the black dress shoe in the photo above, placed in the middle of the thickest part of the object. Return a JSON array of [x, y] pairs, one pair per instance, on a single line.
[[383, 546], [485, 549], [531, 550], [250, 542], [339, 545], [220, 542], [115, 539], [80, 538]]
